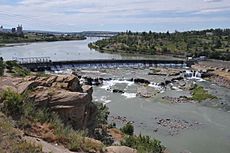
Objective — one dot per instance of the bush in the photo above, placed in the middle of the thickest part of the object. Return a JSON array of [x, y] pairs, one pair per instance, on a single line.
[[102, 113], [11, 64], [16, 69], [143, 144], [20, 71], [12, 103], [128, 129]]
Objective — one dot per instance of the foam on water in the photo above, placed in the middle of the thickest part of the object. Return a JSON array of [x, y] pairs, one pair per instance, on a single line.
[[105, 100], [129, 95], [155, 86], [108, 84], [176, 88]]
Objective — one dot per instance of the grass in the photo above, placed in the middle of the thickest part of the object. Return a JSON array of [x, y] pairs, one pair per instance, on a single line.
[[10, 139], [199, 94], [16, 69]]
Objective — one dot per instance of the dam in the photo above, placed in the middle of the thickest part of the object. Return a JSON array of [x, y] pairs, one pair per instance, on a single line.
[[44, 63]]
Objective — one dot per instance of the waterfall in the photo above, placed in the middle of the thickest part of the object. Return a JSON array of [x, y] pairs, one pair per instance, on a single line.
[[192, 74]]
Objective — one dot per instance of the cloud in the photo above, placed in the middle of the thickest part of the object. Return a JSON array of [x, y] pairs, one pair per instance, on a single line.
[[77, 15], [212, 1]]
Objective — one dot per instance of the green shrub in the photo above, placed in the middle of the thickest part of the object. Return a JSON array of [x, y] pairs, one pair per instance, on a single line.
[[102, 113], [143, 144], [12, 103], [20, 71], [10, 65], [128, 129], [75, 141], [16, 69]]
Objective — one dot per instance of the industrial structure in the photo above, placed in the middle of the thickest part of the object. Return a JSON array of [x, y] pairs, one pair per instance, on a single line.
[[18, 30]]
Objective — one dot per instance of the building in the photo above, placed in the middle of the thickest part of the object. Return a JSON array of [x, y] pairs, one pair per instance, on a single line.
[[1, 28], [19, 30], [13, 30]]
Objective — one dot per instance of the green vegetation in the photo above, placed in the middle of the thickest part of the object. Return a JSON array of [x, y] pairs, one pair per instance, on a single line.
[[35, 37], [16, 69], [128, 129], [12, 103], [2, 67], [143, 144], [25, 147], [102, 114], [213, 43], [10, 140], [42, 122], [28, 116], [199, 94]]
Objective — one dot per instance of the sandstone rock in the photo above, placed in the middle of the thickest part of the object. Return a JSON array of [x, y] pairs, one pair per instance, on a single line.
[[24, 86], [62, 94], [87, 89], [74, 108], [120, 149], [146, 92]]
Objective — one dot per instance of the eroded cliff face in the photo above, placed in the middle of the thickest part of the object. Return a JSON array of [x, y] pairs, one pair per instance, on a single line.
[[60, 93]]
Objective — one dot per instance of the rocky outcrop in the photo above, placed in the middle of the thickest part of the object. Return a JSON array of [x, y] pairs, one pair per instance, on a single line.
[[165, 72], [62, 94], [220, 80], [120, 149]]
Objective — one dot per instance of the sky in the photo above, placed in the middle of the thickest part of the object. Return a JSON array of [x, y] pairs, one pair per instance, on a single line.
[[115, 15]]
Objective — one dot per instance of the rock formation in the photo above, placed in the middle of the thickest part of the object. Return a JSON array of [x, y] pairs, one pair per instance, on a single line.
[[62, 94]]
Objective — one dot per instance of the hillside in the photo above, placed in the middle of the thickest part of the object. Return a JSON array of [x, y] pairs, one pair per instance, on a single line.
[[212, 43]]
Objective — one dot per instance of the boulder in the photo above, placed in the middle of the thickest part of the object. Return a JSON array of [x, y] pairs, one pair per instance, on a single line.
[[143, 81], [146, 92], [117, 91], [120, 149]]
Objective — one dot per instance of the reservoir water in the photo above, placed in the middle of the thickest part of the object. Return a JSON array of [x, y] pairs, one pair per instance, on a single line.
[[211, 131], [62, 50]]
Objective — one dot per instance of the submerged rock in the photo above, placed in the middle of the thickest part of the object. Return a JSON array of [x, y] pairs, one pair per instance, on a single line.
[[143, 81]]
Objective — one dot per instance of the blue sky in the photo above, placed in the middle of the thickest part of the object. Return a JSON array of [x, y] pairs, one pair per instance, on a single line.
[[115, 15]]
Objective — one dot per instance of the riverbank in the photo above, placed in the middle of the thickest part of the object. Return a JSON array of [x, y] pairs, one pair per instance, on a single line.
[[182, 44], [6, 38]]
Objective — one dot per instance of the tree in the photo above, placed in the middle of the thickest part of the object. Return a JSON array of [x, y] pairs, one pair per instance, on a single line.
[[128, 129]]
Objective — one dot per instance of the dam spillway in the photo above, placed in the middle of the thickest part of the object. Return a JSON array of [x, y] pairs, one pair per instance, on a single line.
[[41, 64]]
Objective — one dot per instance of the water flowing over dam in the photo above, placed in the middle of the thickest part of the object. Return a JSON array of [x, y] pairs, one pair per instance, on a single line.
[[43, 63]]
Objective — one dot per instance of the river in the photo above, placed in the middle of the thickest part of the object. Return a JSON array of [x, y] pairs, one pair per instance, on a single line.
[[62, 50], [210, 133]]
